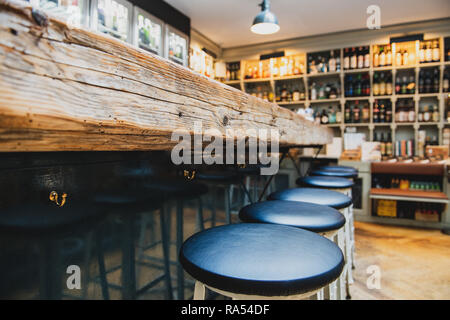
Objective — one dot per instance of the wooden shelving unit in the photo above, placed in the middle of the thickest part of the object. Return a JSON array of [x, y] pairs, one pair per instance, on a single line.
[[408, 195], [370, 127]]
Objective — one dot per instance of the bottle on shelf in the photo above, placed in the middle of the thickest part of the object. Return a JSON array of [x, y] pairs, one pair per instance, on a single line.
[[389, 84], [346, 59], [435, 114], [361, 54], [347, 114], [388, 55], [382, 57], [435, 54], [367, 57], [376, 84], [422, 52], [332, 62], [376, 57], [366, 113], [313, 91], [324, 117], [376, 112], [389, 151], [353, 59], [446, 80], [356, 112], [388, 116], [331, 115]]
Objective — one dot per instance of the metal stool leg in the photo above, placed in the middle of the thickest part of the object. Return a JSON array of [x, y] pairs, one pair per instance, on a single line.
[[227, 205], [200, 223], [50, 271], [128, 259], [101, 264], [166, 254], [180, 271]]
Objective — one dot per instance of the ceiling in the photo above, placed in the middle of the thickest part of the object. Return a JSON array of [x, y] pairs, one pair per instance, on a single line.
[[227, 22]]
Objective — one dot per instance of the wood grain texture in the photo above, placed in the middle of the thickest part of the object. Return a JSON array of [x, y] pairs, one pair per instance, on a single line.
[[65, 89]]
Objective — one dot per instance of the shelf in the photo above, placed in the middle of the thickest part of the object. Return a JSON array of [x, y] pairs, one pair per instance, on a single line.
[[176, 59], [297, 76], [405, 67], [357, 98], [325, 100], [387, 97], [357, 70], [429, 64], [323, 74], [425, 95], [333, 125], [404, 96], [383, 68], [408, 195], [428, 123], [256, 80], [232, 82], [286, 103], [382, 124], [404, 123], [357, 124]]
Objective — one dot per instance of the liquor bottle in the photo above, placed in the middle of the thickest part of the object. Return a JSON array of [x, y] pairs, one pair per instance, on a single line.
[[389, 55], [367, 85], [338, 62], [332, 62], [338, 115], [381, 114], [331, 115], [388, 117], [356, 112], [421, 81], [353, 59], [389, 145], [376, 85], [411, 85], [426, 114], [428, 53], [436, 80], [296, 94], [349, 86], [435, 53], [382, 144], [324, 117], [360, 58], [358, 86], [405, 58], [347, 115], [376, 57], [289, 94], [346, 59], [411, 112], [313, 91], [367, 57], [404, 89], [382, 85], [278, 94], [398, 85], [376, 112], [270, 97], [435, 115], [445, 82], [284, 94], [398, 58], [422, 53], [428, 83], [420, 115], [366, 113], [382, 57], [389, 84]]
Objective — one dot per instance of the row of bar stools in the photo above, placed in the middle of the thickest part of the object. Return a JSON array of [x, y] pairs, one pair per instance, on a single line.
[[327, 198], [320, 219], [344, 186], [261, 261]]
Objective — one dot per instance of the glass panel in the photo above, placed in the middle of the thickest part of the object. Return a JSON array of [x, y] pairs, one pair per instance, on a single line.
[[177, 48], [149, 34], [71, 11], [113, 19]]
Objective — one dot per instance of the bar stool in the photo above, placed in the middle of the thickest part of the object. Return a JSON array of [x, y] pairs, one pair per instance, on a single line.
[[260, 261], [219, 180], [334, 199], [337, 168], [344, 186], [127, 205], [320, 219], [47, 225]]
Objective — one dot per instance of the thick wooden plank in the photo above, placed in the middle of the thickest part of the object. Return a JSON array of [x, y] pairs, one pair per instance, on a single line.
[[64, 88]]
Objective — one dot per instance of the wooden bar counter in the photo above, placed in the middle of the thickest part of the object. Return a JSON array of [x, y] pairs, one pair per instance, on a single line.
[[68, 89]]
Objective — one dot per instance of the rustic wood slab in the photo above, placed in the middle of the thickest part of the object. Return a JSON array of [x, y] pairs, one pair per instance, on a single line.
[[63, 88]]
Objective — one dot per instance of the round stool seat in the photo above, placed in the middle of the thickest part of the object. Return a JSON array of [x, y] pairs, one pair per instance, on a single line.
[[39, 216], [325, 182], [335, 173], [338, 168], [309, 216], [252, 169], [177, 188], [324, 197], [122, 201], [261, 259]]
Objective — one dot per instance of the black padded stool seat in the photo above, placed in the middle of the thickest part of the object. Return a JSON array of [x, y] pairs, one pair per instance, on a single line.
[[335, 173], [324, 197], [177, 188], [338, 168], [325, 182], [251, 169], [309, 216], [38, 216], [261, 259]]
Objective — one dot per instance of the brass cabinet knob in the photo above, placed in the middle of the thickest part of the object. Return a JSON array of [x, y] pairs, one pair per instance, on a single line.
[[54, 198]]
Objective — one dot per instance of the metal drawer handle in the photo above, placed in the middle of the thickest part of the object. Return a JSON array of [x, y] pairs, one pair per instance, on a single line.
[[54, 198]]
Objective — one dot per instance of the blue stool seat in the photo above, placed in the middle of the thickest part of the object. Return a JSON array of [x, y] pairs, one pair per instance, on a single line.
[[177, 188], [309, 216], [261, 259], [335, 173], [324, 197], [325, 182], [38, 216], [338, 168]]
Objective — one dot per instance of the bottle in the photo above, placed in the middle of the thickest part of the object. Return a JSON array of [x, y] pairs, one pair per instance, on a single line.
[[347, 116], [389, 84], [436, 80], [426, 114], [406, 59], [350, 87], [382, 145], [422, 53], [398, 85], [313, 91], [331, 115], [428, 53], [360, 58], [381, 114], [420, 115], [445, 82], [389, 55], [411, 85], [332, 62], [421, 82], [376, 85], [411, 113], [376, 112], [376, 58], [398, 58], [338, 115], [404, 89], [366, 113], [367, 58], [428, 82], [388, 117], [382, 85], [382, 57], [389, 145], [324, 117], [284, 94], [435, 115], [435, 53], [356, 112], [353, 59], [358, 87], [346, 59], [296, 94]]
